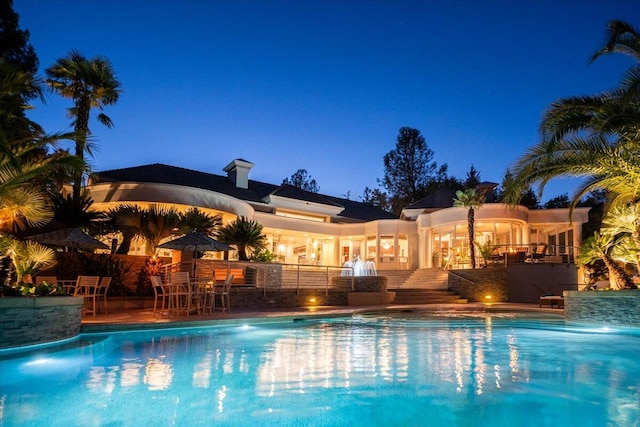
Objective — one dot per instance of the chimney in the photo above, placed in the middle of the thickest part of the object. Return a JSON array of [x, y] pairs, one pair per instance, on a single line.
[[238, 172]]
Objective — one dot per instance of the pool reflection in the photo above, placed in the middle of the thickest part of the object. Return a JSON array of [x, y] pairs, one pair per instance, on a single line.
[[213, 375]]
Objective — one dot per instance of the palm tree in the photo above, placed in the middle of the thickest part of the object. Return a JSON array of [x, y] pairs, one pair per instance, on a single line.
[[245, 234], [593, 137], [29, 257], [70, 213], [624, 220], [127, 219], [22, 201], [152, 224], [90, 83], [598, 247], [194, 219], [158, 223], [471, 200]]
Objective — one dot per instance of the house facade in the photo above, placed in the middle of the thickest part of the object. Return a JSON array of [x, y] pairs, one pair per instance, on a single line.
[[316, 229]]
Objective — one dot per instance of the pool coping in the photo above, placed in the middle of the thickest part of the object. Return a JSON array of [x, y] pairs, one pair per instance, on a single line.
[[327, 313]]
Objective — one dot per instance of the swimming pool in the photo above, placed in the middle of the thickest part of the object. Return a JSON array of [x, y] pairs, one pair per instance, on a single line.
[[377, 370]]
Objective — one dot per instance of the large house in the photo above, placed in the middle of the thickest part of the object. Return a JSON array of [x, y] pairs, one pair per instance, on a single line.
[[309, 228]]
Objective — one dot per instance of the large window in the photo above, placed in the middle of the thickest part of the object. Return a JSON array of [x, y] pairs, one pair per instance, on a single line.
[[372, 249], [387, 248]]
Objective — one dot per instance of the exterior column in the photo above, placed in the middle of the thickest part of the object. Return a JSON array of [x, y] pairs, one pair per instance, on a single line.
[[526, 234], [577, 235]]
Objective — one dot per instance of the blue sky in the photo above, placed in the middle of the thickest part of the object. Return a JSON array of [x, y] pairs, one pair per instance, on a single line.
[[326, 85]]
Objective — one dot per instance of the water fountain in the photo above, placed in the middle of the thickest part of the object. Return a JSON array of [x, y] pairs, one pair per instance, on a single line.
[[357, 267], [367, 288]]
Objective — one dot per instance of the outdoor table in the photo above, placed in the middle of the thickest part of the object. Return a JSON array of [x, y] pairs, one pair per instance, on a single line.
[[69, 285], [204, 291]]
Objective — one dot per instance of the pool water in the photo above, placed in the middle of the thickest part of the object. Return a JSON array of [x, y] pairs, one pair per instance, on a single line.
[[387, 370]]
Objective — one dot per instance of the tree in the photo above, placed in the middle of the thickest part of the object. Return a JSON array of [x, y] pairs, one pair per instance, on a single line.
[[127, 219], [470, 200], [17, 58], [89, 83], [24, 162], [195, 220], [376, 197], [623, 221], [593, 137], [473, 178], [14, 42], [302, 180], [561, 201], [527, 197], [72, 213], [28, 257], [409, 169], [245, 234], [598, 247]]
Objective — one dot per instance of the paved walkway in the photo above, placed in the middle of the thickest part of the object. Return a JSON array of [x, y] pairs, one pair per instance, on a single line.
[[145, 318]]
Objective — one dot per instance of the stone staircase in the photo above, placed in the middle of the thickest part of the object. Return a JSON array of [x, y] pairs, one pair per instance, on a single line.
[[425, 286], [425, 278]]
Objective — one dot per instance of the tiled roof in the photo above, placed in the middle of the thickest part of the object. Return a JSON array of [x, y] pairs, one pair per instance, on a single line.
[[361, 211], [166, 174], [256, 193], [440, 199], [291, 192]]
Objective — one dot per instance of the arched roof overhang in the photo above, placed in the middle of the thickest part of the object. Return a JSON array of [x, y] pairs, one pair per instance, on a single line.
[[134, 192]]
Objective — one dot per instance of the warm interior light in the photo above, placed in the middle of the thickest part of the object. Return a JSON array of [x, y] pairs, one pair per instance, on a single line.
[[487, 297], [312, 300]]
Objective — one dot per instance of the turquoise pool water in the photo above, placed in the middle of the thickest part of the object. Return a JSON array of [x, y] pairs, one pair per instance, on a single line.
[[387, 370]]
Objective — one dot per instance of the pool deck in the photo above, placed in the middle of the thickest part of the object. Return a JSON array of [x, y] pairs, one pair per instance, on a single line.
[[145, 318]]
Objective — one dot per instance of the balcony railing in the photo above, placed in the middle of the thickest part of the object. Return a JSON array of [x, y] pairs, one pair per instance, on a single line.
[[534, 253]]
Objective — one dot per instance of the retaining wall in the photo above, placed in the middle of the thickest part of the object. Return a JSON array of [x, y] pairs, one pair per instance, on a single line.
[[486, 281], [615, 308], [38, 320]]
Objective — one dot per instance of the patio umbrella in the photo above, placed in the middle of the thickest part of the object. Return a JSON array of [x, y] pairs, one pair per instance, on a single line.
[[196, 241], [69, 238]]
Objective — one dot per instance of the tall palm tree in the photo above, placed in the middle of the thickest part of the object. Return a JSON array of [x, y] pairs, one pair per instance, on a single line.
[[592, 137], [245, 234], [90, 83], [471, 200]]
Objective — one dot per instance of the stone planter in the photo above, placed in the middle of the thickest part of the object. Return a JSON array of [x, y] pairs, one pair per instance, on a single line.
[[37, 320], [612, 308], [368, 290], [361, 283]]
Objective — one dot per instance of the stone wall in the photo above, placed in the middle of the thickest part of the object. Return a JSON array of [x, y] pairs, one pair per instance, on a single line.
[[523, 283], [360, 283], [615, 308], [37, 320], [255, 298], [528, 282], [476, 285]]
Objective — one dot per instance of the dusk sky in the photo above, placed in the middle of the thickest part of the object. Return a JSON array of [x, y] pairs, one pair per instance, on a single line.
[[326, 85]]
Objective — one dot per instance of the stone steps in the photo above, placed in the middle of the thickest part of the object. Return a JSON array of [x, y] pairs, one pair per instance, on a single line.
[[426, 278]]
